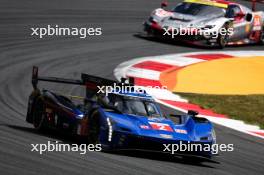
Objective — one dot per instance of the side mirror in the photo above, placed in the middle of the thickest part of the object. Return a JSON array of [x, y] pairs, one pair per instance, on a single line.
[[192, 113], [249, 17], [164, 4]]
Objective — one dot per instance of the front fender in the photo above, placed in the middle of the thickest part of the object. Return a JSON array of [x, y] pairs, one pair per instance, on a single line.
[[199, 128], [159, 14]]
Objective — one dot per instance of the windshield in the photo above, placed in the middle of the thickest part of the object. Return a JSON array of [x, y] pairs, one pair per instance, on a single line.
[[135, 106], [198, 9]]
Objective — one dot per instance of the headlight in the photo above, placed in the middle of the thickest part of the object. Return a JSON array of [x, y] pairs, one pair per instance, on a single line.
[[213, 135], [110, 128], [80, 116], [153, 13]]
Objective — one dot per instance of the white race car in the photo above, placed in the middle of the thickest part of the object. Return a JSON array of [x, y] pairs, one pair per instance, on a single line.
[[217, 22]]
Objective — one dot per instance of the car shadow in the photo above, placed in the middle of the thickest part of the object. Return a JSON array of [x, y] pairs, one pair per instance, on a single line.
[[188, 44], [175, 42], [194, 161], [69, 139], [54, 135]]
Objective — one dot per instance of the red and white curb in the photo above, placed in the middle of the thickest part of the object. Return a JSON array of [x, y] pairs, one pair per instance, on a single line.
[[146, 72]]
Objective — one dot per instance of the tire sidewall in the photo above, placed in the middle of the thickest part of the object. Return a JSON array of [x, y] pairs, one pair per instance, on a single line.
[[94, 128], [222, 40], [39, 116]]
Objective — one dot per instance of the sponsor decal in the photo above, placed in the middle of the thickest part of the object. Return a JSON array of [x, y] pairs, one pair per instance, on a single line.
[[160, 126], [181, 131], [166, 136], [257, 23], [144, 127], [257, 20]]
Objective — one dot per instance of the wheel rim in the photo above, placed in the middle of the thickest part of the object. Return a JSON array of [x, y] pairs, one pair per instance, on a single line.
[[223, 40]]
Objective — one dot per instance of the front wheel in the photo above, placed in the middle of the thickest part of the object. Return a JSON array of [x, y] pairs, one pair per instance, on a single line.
[[94, 128]]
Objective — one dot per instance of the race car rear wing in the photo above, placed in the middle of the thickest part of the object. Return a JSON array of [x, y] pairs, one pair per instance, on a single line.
[[36, 78], [90, 81]]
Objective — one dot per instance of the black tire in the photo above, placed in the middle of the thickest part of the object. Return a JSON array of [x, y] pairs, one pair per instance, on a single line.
[[39, 115], [31, 103], [222, 40], [29, 111], [94, 128]]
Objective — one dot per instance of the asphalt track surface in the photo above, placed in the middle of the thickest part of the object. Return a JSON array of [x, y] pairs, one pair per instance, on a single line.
[[68, 57]]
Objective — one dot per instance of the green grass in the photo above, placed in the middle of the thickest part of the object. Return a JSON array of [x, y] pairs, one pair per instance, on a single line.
[[249, 108]]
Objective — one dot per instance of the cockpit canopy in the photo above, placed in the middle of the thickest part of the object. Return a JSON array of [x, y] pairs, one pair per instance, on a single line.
[[134, 105]]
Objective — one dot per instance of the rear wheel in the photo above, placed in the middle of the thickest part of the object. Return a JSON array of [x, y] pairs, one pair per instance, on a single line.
[[39, 115], [223, 37]]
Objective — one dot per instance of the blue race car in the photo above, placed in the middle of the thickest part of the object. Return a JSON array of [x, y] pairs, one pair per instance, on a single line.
[[119, 120]]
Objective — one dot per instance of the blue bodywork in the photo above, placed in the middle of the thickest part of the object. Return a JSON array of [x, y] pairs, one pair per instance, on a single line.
[[130, 131]]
